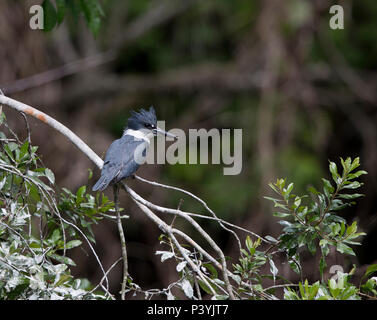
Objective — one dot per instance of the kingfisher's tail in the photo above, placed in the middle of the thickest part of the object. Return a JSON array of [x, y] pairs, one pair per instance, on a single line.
[[101, 184]]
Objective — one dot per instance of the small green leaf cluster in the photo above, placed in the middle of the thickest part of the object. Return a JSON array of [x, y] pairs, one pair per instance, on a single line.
[[250, 261], [54, 14], [338, 287], [370, 285], [317, 224], [84, 209]]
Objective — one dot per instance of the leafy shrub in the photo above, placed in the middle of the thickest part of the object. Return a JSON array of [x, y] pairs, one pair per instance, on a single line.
[[311, 222], [34, 233]]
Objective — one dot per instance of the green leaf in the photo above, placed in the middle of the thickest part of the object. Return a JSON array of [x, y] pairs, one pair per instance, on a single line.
[[62, 259], [294, 266], [327, 188], [272, 239], [350, 196], [353, 185], [2, 117], [274, 271], [281, 214], [324, 247], [249, 243], [356, 174], [50, 175], [24, 149], [73, 244], [343, 248], [334, 171], [90, 174], [286, 192], [313, 190], [313, 290], [271, 185], [279, 205], [272, 199], [60, 4], [55, 236], [93, 12], [2, 182], [352, 228], [63, 278], [322, 266], [9, 152], [49, 15], [212, 269], [355, 163], [12, 146], [80, 194], [205, 287], [371, 269], [302, 291]]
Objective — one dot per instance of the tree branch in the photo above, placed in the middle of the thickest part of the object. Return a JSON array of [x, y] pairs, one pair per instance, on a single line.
[[143, 204]]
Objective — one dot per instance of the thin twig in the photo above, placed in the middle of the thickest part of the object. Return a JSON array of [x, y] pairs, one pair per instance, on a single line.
[[122, 242], [187, 217], [105, 275], [167, 229], [196, 198]]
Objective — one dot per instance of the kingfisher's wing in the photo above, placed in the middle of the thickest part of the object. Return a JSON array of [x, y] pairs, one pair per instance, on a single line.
[[110, 166], [133, 155], [121, 161]]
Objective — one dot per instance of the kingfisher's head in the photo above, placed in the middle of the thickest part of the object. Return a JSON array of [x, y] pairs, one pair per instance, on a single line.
[[142, 120], [146, 122]]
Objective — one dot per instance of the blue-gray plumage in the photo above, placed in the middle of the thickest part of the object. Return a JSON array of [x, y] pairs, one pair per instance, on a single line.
[[125, 155]]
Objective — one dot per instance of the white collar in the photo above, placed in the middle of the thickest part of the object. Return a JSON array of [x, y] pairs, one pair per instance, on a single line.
[[145, 135]]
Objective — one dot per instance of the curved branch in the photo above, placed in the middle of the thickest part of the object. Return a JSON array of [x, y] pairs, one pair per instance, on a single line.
[[142, 203], [22, 107]]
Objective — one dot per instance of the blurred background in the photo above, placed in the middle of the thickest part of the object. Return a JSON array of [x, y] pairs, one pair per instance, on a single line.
[[302, 93]]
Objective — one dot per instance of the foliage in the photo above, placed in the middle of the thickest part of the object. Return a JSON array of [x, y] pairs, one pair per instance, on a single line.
[[306, 227], [39, 226], [55, 14], [318, 222], [35, 234]]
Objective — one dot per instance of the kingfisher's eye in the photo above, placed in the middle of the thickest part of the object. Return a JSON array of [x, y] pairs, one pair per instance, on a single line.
[[148, 125]]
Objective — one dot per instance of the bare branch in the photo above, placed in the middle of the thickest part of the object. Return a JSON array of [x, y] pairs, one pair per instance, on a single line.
[[54, 124], [122, 242]]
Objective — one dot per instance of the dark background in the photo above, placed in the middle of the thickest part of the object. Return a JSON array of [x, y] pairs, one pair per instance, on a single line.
[[302, 93]]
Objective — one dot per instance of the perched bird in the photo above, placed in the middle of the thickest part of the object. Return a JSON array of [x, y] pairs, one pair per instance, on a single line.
[[125, 155]]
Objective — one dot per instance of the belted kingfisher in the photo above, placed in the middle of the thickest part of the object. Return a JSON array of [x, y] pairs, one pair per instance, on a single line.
[[125, 155]]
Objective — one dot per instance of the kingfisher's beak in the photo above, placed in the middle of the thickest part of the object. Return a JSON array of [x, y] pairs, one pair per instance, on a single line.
[[163, 132]]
